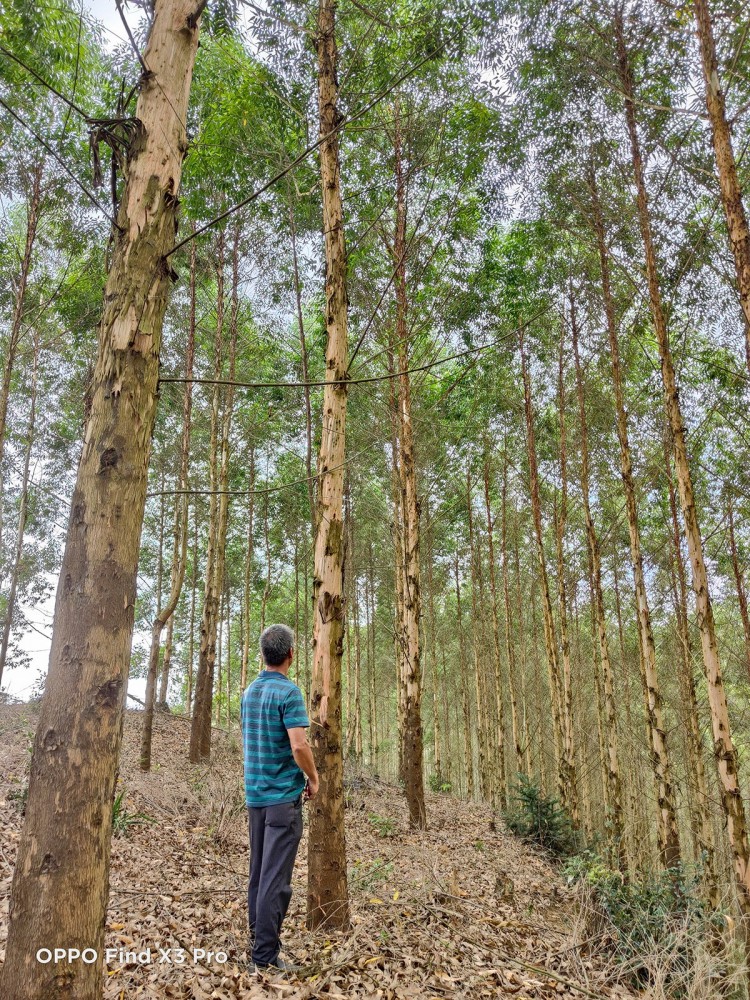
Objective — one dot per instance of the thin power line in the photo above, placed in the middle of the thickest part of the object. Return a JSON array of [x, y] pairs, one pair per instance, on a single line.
[[356, 381]]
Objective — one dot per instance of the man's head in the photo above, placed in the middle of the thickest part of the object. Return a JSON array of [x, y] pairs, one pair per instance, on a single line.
[[277, 646]]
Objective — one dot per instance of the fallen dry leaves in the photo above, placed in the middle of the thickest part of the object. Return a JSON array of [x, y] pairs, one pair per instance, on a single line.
[[463, 910]]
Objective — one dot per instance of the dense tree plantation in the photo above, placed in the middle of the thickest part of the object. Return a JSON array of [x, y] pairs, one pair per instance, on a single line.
[[424, 329]]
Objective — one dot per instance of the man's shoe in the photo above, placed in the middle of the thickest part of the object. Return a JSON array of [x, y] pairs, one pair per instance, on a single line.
[[279, 965]]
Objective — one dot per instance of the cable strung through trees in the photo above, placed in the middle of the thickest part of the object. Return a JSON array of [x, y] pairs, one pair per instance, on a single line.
[[356, 381]]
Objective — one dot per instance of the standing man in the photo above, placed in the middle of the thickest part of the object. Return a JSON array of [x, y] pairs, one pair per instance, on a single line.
[[277, 759]]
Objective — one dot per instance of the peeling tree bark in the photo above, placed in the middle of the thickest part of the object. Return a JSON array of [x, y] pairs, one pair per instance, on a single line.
[[411, 655], [327, 893], [61, 880]]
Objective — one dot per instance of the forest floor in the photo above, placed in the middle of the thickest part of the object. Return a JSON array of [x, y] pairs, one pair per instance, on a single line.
[[462, 910]]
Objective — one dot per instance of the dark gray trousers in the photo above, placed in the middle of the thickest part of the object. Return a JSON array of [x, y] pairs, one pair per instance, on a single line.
[[275, 833]]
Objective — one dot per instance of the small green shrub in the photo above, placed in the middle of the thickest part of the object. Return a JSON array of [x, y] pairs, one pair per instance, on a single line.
[[368, 875], [384, 826], [660, 914], [123, 819], [19, 796], [541, 819], [439, 784]]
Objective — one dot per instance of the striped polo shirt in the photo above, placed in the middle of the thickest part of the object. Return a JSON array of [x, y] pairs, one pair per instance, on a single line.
[[270, 705]]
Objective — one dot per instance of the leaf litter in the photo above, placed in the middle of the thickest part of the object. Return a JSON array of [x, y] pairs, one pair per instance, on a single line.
[[462, 910]]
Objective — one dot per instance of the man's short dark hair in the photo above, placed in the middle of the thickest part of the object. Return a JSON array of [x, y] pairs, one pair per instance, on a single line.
[[276, 643]]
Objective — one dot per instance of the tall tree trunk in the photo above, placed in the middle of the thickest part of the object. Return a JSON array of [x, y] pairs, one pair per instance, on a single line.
[[248, 574], [520, 618], [561, 518], [19, 302], [191, 634], [22, 512], [267, 542], [327, 893], [357, 674], [219, 657], [200, 729], [305, 366], [61, 880], [700, 817], [200, 732], [411, 661], [179, 547], [372, 714], [228, 611], [162, 703], [509, 643], [614, 777], [438, 757], [476, 643], [724, 748], [637, 827], [726, 165], [500, 765], [400, 643], [667, 829], [465, 705], [739, 580], [550, 640]]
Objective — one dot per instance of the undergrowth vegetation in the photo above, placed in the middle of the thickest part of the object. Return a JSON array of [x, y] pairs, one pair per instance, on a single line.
[[657, 930]]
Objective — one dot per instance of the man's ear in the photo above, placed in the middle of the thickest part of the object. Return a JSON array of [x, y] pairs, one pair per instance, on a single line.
[[291, 654]]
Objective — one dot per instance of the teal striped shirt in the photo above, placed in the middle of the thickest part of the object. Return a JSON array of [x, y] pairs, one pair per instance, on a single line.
[[271, 704]]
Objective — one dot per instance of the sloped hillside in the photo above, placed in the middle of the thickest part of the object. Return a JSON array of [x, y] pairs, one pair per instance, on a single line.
[[463, 910]]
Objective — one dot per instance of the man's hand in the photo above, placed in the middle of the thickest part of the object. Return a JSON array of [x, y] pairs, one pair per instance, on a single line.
[[303, 756]]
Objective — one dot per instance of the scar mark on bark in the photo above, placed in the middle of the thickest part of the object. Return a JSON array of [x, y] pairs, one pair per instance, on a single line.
[[108, 459], [108, 694], [50, 742], [49, 865]]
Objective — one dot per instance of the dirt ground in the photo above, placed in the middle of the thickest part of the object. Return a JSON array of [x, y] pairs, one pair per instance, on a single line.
[[462, 910]]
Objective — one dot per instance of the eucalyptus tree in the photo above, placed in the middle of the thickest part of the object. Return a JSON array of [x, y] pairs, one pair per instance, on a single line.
[[60, 884], [726, 161]]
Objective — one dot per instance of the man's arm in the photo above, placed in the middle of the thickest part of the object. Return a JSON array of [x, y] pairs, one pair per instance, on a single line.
[[303, 757]]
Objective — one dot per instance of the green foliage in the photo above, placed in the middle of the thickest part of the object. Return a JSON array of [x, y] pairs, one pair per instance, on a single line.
[[384, 826], [439, 784], [658, 912], [541, 819], [18, 796], [368, 875], [123, 819]]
